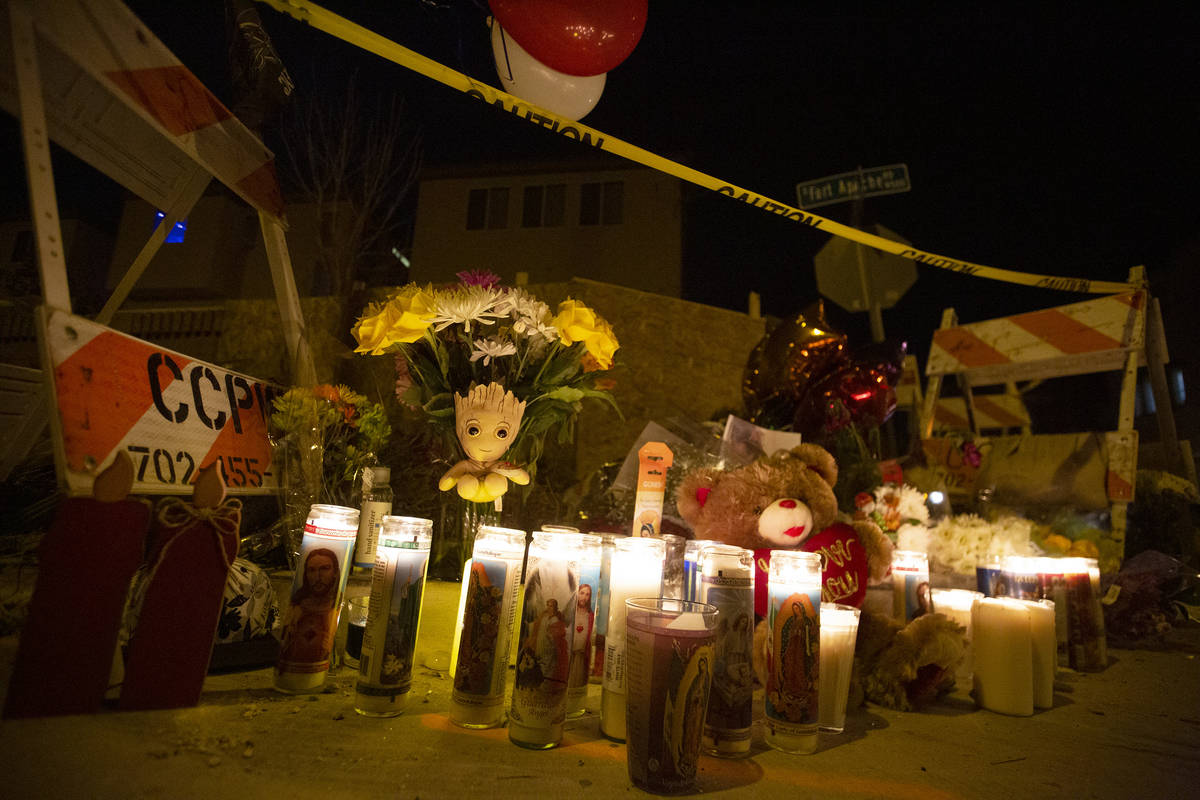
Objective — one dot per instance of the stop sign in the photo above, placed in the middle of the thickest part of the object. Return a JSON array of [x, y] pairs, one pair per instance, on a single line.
[[838, 278]]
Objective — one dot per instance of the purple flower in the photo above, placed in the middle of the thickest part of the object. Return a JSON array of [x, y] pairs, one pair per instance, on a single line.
[[478, 277], [971, 455]]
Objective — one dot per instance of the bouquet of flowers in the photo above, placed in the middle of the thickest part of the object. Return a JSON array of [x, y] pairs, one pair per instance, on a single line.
[[476, 333], [959, 543], [897, 510], [323, 437], [493, 370]]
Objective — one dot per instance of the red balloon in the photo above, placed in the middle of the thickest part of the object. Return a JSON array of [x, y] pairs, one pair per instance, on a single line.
[[577, 38]]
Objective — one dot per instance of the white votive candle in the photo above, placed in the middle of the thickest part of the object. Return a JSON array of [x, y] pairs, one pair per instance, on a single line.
[[1044, 650], [1003, 656], [959, 606], [839, 629], [636, 572]]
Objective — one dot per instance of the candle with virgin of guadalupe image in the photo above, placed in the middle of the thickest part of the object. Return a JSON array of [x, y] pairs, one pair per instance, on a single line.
[[793, 653]]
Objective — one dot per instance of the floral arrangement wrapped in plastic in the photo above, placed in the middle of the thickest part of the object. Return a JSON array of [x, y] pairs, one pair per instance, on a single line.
[[493, 369], [322, 437]]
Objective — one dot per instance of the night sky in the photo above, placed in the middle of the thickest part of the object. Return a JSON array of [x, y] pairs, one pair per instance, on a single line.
[[1051, 141]]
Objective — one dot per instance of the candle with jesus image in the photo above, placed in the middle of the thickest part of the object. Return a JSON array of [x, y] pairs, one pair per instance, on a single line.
[[310, 619], [585, 622]]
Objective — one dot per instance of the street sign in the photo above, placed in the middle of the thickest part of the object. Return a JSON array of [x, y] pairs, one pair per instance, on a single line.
[[888, 276], [873, 182]]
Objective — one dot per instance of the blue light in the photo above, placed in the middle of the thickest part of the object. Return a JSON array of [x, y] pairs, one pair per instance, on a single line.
[[176, 234]]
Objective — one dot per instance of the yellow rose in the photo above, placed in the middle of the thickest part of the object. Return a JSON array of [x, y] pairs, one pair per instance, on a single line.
[[403, 319], [575, 321], [602, 345], [578, 323]]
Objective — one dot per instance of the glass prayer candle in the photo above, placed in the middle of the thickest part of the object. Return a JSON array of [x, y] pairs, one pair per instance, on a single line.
[[310, 618], [793, 650], [959, 606], [1053, 583], [911, 597], [1094, 657], [672, 580], [727, 583], [670, 655], [539, 696], [691, 560], [1024, 577], [585, 623], [839, 630], [608, 544], [393, 616], [636, 572], [989, 578], [485, 624]]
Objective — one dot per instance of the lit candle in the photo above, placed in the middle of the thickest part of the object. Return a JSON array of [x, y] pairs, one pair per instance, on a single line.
[[727, 583], [608, 544], [793, 650], [1003, 656], [394, 616], [989, 578], [1024, 577], [959, 606], [585, 623], [1094, 657], [911, 596], [1044, 651], [691, 559], [539, 697], [839, 629], [310, 619], [672, 579], [636, 572], [485, 623], [1055, 586]]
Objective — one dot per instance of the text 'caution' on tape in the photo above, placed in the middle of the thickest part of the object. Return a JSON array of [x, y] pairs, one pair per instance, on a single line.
[[359, 36]]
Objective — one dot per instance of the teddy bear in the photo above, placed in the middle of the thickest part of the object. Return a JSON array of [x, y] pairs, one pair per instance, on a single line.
[[787, 501]]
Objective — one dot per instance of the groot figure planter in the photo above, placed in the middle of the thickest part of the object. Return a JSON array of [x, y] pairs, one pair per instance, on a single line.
[[486, 421]]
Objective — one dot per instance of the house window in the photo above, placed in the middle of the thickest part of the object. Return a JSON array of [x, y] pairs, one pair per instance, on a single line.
[[602, 203], [487, 208], [543, 206]]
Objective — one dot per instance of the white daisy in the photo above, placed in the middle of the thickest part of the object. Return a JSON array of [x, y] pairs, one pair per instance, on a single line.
[[531, 317], [465, 305], [487, 349]]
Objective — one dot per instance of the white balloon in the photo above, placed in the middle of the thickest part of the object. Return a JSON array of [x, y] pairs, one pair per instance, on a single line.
[[570, 96]]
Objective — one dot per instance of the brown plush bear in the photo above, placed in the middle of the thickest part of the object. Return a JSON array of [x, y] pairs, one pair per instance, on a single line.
[[786, 501]]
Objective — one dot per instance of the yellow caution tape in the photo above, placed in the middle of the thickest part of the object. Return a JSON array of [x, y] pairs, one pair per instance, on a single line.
[[359, 36]]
